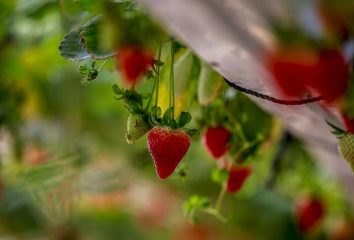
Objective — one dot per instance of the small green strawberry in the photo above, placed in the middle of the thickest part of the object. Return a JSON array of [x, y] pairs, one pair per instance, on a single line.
[[137, 126], [346, 148], [346, 144]]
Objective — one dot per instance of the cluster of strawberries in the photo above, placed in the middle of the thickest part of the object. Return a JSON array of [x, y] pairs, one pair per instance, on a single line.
[[167, 141], [216, 140], [300, 71], [168, 146]]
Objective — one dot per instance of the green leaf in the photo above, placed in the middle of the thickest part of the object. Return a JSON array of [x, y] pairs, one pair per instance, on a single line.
[[153, 120], [71, 48], [90, 39], [156, 110], [118, 98], [173, 124], [84, 70], [194, 204], [219, 175], [149, 74], [117, 90], [84, 43], [184, 119], [89, 5], [167, 117], [192, 132], [182, 71], [209, 85], [158, 63]]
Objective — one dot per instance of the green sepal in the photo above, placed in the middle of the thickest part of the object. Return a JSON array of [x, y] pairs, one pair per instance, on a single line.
[[335, 130], [153, 120], [167, 117], [117, 90], [158, 63], [173, 124], [184, 119], [192, 132], [84, 70], [149, 74], [156, 111], [194, 204]]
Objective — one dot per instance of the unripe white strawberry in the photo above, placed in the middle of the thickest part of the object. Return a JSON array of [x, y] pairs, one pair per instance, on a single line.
[[137, 126], [346, 148]]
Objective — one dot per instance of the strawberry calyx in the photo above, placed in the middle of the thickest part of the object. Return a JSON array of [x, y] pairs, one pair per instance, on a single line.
[[156, 119], [132, 100]]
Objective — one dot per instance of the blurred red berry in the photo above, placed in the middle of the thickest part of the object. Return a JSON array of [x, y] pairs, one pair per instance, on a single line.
[[291, 69], [309, 213], [296, 72], [332, 76], [237, 177], [215, 139], [133, 62]]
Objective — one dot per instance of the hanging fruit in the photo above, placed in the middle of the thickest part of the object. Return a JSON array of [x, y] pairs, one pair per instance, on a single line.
[[133, 62], [215, 140], [309, 213], [237, 178], [167, 147]]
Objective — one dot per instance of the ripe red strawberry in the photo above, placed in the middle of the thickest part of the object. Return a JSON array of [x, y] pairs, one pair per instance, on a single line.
[[133, 62], [291, 69], [309, 212], [215, 139], [167, 147], [332, 75], [237, 177]]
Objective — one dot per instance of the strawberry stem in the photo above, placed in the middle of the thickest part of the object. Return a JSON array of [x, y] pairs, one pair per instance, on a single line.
[[220, 197], [99, 70], [157, 80], [172, 87], [215, 213]]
